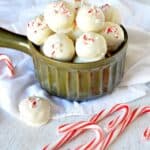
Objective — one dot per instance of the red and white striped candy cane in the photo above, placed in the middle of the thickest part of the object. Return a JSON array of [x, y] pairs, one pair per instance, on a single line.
[[66, 137], [137, 112], [146, 133], [83, 126], [73, 126], [84, 146], [120, 118], [66, 127], [96, 118], [102, 115], [113, 124], [117, 120], [96, 128], [69, 136], [99, 137], [8, 62], [112, 135], [63, 140]]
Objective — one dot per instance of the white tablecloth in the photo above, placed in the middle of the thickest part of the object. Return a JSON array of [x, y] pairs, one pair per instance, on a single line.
[[15, 135]]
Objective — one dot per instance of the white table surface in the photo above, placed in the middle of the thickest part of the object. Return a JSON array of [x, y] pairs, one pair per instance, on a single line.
[[15, 135]]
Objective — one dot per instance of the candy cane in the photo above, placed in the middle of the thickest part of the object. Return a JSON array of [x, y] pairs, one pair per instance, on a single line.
[[74, 131], [84, 146], [46, 147], [116, 132], [74, 126], [112, 129], [113, 134], [113, 123], [99, 116], [82, 126], [147, 134], [96, 118], [137, 112], [61, 142], [77, 132], [99, 137], [102, 115], [96, 128], [119, 119], [8, 62], [67, 126]]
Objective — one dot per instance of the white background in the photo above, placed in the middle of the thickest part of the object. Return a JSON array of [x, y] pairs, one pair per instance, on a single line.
[[15, 135]]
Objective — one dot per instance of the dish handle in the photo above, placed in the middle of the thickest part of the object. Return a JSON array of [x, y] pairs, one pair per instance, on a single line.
[[12, 40]]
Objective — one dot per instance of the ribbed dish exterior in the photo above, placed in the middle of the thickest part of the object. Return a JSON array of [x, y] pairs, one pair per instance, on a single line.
[[80, 84]]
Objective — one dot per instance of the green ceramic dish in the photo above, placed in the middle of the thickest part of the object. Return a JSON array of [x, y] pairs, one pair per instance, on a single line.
[[69, 80]]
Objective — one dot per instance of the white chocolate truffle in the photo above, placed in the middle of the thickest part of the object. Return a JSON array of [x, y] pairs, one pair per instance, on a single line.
[[59, 16], [59, 46], [113, 34], [90, 18], [86, 60], [35, 111], [38, 30], [91, 45], [111, 14]]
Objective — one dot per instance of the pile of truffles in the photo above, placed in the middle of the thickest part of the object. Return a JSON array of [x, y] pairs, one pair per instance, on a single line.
[[76, 33]]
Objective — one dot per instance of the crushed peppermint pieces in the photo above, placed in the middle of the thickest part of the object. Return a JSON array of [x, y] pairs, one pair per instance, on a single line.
[[112, 30], [60, 8], [37, 24], [105, 7], [33, 102], [95, 11], [88, 40]]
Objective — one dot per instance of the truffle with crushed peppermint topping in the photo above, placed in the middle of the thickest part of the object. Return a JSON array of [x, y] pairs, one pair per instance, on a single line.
[[59, 46], [91, 45], [38, 30], [59, 16], [113, 34], [90, 18], [35, 111]]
